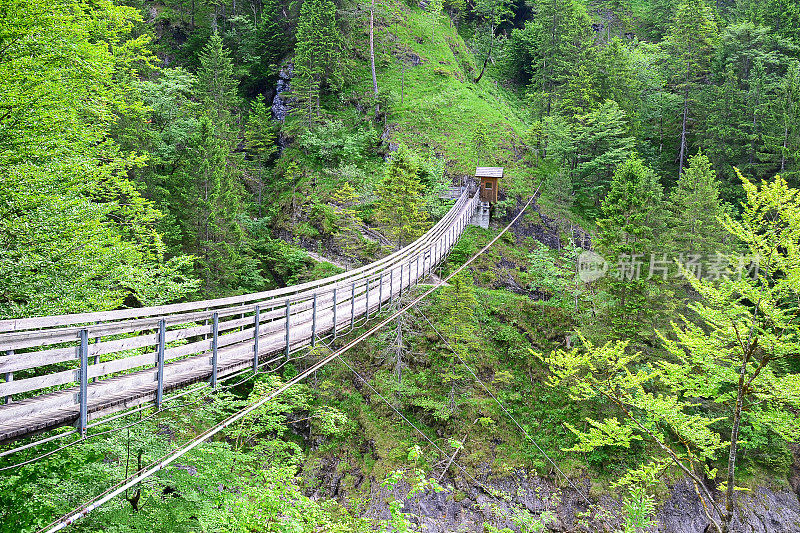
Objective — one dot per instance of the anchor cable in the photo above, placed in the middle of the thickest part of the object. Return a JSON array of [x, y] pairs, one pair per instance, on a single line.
[[169, 458]]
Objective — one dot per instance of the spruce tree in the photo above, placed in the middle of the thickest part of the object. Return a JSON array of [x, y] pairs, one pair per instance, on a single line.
[[317, 55], [213, 200], [401, 199], [690, 43], [695, 209], [629, 233], [260, 143], [782, 137], [603, 141], [560, 38], [215, 82]]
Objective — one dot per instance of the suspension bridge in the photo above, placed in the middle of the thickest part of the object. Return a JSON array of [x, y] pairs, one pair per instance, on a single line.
[[77, 369]]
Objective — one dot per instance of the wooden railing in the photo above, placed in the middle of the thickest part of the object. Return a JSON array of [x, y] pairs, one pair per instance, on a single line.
[[69, 369]]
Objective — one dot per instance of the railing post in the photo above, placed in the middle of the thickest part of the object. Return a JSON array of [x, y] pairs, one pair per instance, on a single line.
[[335, 304], [368, 282], [400, 292], [409, 273], [83, 416], [162, 339], [288, 312], [314, 322], [214, 346], [429, 254], [96, 357], [353, 306], [9, 378], [256, 334], [391, 285], [380, 295]]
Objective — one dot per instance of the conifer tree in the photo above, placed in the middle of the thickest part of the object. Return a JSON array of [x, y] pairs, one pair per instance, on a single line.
[[690, 42], [628, 234], [603, 142], [214, 200], [261, 145], [401, 199], [215, 82], [560, 34], [317, 55], [696, 210], [782, 140]]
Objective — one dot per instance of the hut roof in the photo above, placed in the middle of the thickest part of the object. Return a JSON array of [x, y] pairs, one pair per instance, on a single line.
[[489, 172]]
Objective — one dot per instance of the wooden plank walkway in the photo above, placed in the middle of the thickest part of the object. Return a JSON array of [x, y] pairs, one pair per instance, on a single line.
[[71, 369]]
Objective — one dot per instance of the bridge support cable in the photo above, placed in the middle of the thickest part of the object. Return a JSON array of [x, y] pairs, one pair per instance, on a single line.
[[79, 440], [503, 408], [168, 459], [122, 363]]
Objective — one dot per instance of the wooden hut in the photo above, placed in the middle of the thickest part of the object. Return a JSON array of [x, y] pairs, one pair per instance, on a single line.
[[490, 178]]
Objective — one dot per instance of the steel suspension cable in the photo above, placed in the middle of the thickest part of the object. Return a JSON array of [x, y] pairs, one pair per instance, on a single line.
[[169, 458], [500, 404]]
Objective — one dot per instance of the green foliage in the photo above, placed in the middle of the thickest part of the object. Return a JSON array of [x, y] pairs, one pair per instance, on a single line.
[[603, 143], [317, 55], [216, 85], [695, 209], [639, 508], [628, 234], [76, 233], [263, 43], [401, 199], [732, 352], [556, 43]]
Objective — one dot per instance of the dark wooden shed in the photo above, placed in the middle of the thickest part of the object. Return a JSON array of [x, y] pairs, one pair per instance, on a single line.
[[490, 182]]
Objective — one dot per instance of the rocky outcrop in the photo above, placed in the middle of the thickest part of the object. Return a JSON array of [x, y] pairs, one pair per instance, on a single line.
[[281, 105], [464, 507]]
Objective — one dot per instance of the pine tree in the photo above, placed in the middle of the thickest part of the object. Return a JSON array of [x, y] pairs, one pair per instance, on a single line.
[[628, 236], [603, 142], [317, 55], [560, 38], [401, 200], [216, 85], [690, 42], [695, 209]]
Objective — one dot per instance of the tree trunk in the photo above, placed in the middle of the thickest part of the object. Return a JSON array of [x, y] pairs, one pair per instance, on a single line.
[[682, 155], [783, 153], [372, 56], [737, 418], [489, 55]]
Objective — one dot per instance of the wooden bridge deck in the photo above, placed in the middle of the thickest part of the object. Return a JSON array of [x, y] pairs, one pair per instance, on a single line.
[[71, 369]]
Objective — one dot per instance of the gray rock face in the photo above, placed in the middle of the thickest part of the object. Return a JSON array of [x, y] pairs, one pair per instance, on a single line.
[[760, 511], [282, 105], [465, 508]]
